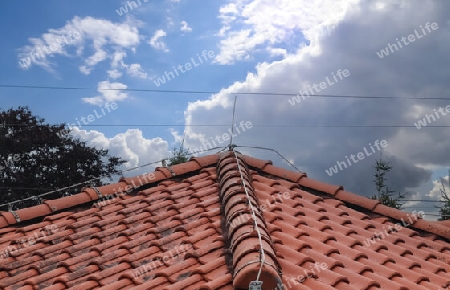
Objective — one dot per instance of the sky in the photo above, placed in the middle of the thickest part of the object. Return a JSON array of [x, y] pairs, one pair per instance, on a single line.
[[331, 85]]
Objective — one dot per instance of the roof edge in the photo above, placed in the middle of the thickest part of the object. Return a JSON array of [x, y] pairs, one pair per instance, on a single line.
[[87, 195], [48, 207]]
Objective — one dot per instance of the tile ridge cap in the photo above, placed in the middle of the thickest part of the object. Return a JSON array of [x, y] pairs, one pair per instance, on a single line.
[[242, 236]]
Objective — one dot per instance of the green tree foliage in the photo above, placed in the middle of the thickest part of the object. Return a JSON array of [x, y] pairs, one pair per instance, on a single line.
[[384, 194], [179, 155], [36, 157], [444, 210]]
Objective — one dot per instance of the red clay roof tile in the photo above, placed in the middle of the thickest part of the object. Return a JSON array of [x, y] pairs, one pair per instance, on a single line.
[[198, 233], [257, 163], [205, 161]]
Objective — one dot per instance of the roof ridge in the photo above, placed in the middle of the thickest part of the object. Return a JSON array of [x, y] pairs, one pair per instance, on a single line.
[[245, 227], [439, 228], [87, 194]]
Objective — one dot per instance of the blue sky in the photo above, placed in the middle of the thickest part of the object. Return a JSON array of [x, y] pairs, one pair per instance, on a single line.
[[280, 46], [65, 106]]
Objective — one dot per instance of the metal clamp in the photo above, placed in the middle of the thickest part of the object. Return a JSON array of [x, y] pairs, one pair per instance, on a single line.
[[165, 165], [255, 285], [99, 194], [16, 216], [171, 171]]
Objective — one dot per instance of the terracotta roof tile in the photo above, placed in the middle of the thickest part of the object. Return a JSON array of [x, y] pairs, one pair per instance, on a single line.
[[204, 161], [257, 163], [198, 233]]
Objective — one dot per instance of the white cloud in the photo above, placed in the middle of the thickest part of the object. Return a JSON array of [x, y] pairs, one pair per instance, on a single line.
[[131, 146], [277, 51], [135, 70], [170, 22], [118, 63], [438, 186], [406, 73], [185, 27], [84, 70], [97, 32], [113, 95], [117, 59], [249, 25], [114, 73], [156, 43], [98, 56]]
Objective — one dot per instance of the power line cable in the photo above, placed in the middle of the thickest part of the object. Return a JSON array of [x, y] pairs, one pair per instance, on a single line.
[[273, 150], [216, 92], [432, 214], [253, 125], [423, 200], [24, 188]]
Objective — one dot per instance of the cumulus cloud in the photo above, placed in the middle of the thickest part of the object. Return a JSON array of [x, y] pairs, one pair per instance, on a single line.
[[99, 56], [109, 92], [439, 186], [131, 145], [244, 30], [118, 65], [414, 153], [155, 41], [98, 33], [117, 59], [114, 73], [135, 70], [185, 27]]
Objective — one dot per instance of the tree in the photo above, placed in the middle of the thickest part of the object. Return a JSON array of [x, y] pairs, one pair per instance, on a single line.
[[384, 193], [444, 210], [179, 155], [36, 157]]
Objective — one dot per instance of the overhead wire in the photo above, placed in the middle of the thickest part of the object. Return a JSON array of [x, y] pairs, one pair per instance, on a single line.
[[216, 92], [273, 150], [253, 125], [218, 125]]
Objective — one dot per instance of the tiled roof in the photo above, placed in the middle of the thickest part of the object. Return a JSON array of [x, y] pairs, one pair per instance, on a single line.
[[191, 226]]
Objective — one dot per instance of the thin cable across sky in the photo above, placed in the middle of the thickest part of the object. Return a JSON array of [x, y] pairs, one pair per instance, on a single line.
[[215, 92]]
